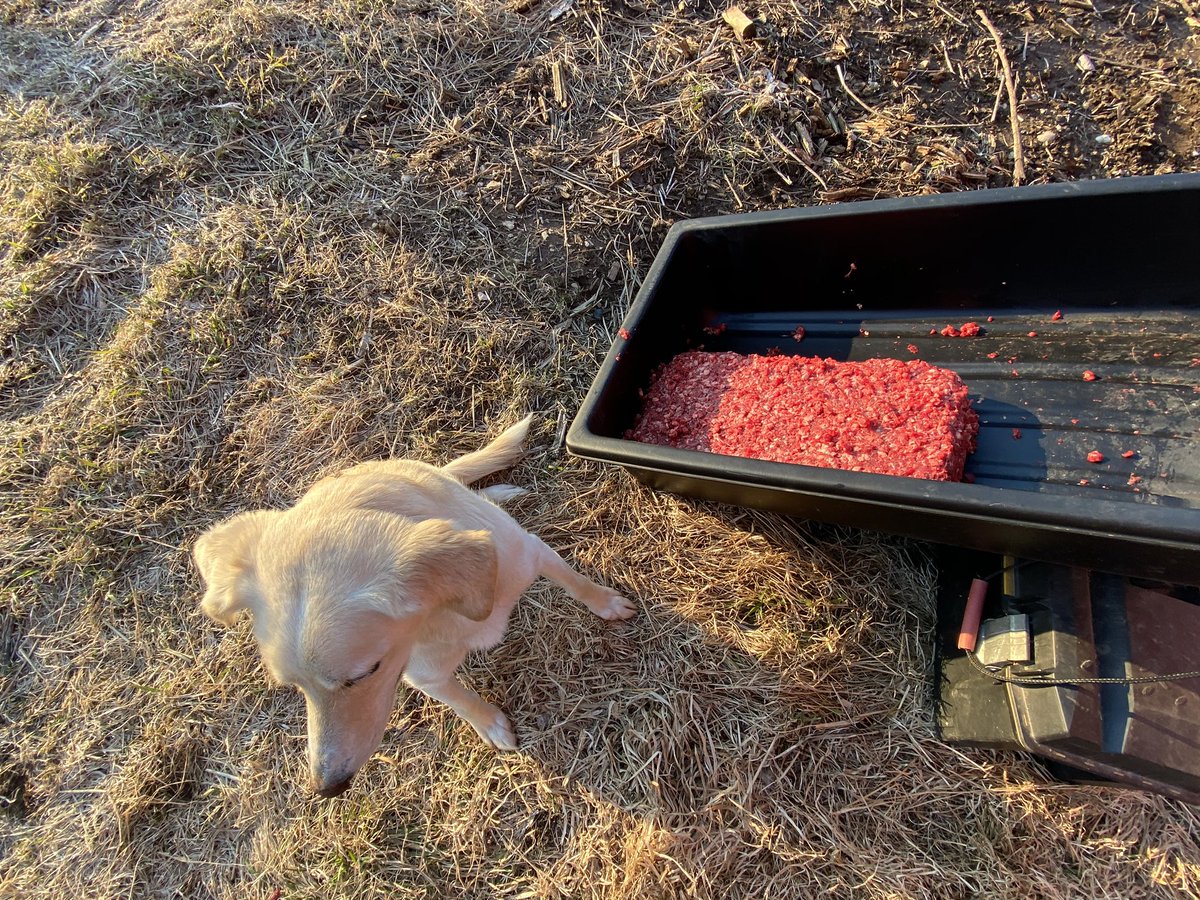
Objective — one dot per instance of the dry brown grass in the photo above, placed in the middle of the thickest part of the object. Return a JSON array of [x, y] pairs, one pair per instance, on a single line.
[[243, 244]]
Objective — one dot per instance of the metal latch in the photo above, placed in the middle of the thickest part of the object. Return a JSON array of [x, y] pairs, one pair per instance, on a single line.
[[1005, 641]]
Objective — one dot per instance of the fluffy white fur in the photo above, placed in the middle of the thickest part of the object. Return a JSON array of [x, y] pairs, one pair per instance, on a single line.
[[389, 570]]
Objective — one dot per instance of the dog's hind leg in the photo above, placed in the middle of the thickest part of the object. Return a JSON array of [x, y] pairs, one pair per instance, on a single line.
[[604, 602], [499, 454]]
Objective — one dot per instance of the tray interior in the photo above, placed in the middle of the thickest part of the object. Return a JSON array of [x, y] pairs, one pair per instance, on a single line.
[[1144, 400], [875, 282]]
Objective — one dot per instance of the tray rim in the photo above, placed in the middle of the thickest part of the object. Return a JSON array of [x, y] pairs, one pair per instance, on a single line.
[[1141, 522]]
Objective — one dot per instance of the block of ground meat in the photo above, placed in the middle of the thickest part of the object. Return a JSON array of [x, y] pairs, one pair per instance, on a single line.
[[888, 416]]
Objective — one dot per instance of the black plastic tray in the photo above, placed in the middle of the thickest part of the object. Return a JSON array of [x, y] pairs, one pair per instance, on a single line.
[[1120, 259]]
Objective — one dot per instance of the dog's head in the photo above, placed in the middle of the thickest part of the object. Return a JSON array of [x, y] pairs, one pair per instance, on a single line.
[[338, 602]]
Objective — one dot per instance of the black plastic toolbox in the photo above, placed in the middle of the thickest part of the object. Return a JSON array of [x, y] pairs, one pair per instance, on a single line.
[[1081, 625], [1119, 259]]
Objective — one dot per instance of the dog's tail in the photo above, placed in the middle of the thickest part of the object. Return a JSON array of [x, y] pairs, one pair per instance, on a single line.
[[499, 454]]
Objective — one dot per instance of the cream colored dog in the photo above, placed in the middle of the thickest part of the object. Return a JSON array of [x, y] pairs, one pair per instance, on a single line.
[[387, 570]]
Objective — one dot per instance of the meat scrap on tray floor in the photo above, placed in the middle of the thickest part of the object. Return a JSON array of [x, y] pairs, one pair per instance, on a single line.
[[888, 416]]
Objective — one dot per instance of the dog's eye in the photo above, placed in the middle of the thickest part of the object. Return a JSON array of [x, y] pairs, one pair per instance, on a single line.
[[353, 681]]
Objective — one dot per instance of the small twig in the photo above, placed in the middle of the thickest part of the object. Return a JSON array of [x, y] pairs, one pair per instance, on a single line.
[[1018, 153], [996, 105], [857, 99], [941, 126], [809, 169], [950, 14], [559, 79], [737, 198]]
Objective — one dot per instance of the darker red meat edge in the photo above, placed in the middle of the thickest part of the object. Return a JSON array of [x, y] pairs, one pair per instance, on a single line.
[[888, 416]]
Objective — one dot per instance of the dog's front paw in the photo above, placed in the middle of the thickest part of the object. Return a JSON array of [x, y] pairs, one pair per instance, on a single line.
[[495, 729], [614, 608]]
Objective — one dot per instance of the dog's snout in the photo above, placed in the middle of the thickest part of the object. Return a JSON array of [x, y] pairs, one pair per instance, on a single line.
[[330, 778], [332, 788]]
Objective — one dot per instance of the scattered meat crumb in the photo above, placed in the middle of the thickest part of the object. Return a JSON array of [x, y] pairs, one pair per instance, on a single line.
[[993, 355], [967, 329], [1089, 375], [913, 348], [1033, 334], [991, 318], [624, 333], [798, 334], [1095, 456], [1057, 315], [1134, 479], [1128, 454], [1016, 434]]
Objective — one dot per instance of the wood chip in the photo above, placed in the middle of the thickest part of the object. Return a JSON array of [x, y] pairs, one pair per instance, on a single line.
[[561, 8], [741, 23], [560, 84]]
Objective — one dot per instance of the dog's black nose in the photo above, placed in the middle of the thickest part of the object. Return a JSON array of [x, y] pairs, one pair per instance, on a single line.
[[333, 790]]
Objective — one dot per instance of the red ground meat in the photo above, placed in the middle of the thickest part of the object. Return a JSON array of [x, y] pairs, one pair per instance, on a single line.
[[888, 416], [967, 329]]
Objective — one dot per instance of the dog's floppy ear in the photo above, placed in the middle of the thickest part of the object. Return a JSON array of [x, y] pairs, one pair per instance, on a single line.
[[225, 556], [445, 566]]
